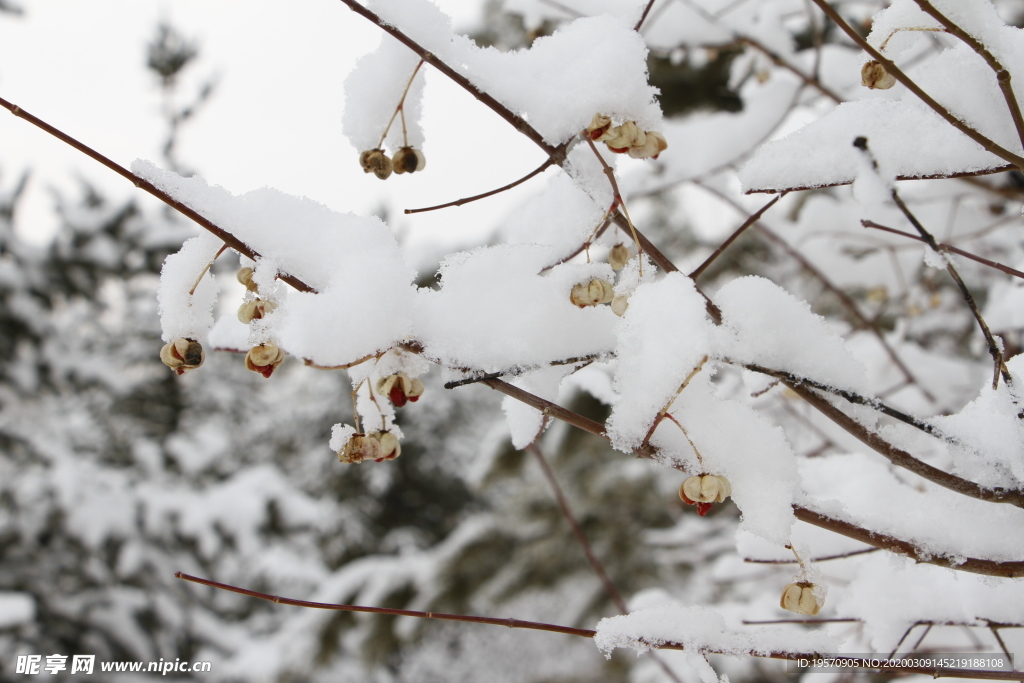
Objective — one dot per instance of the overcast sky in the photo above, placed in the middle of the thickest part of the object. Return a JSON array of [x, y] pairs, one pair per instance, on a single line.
[[275, 119]]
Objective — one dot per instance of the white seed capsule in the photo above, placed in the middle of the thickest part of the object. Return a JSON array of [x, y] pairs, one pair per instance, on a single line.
[[390, 448], [652, 145], [244, 276], [359, 448], [873, 75], [705, 488], [408, 160], [801, 598], [599, 127], [182, 355], [592, 293], [264, 359], [619, 305], [620, 138], [254, 310], [619, 256]]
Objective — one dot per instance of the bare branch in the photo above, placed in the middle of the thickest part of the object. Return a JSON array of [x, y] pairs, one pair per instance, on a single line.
[[948, 248], [466, 200], [229, 239], [753, 218]]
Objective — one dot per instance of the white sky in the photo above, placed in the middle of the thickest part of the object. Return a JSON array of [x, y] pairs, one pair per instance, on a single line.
[[275, 119]]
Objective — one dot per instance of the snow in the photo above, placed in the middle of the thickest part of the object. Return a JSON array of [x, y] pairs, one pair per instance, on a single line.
[[183, 314], [702, 631], [602, 68]]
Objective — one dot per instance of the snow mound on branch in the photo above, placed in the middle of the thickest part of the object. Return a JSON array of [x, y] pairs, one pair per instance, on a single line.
[[183, 314], [772, 328], [992, 433], [365, 291], [889, 594], [592, 65], [497, 311], [904, 134], [933, 518], [701, 630]]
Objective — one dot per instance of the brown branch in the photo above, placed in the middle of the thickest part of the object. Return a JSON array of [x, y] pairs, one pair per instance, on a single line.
[[901, 458], [152, 189], [890, 66], [466, 200], [947, 247], [510, 623], [1003, 76], [994, 350], [1009, 569], [753, 218], [567, 630], [927, 176], [810, 80], [643, 17]]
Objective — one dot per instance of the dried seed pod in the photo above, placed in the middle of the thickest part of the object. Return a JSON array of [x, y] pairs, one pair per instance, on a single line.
[[256, 309], [244, 276], [264, 359], [873, 75], [619, 256], [653, 145], [358, 448], [182, 355], [620, 138], [390, 448], [376, 161], [408, 160], [400, 388], [703, 490], [619, 305], [599, 127], [801, 598], [592, 293]]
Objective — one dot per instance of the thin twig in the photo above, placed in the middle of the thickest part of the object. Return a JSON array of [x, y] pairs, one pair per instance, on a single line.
[[927, 176], [897, 73], [206, 269], [617, 199], [753, 218], [643, 17], [1003, 77], [810, 80], [152, 189], [947, 247], [577, 530], [400, 109], [994, 349], [466, 200], [840, 556]]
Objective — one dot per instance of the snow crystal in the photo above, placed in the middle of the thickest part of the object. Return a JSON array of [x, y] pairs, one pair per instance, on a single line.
[[340, 435]]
